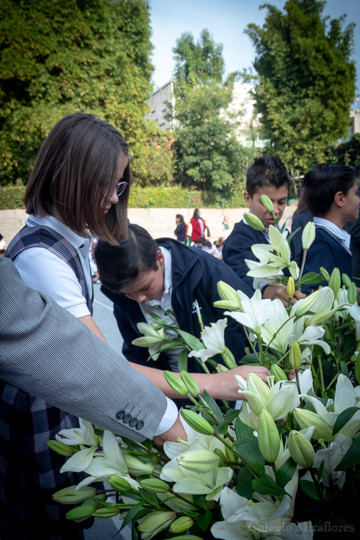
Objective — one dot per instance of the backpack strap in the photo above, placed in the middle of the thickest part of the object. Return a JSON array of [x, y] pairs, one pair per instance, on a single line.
[[47, 238]]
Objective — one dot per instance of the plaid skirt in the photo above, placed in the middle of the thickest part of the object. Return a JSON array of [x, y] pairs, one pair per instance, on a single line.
[[30, 471]]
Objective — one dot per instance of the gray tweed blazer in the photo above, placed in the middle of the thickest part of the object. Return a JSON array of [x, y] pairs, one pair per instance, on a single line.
[[49, 353]]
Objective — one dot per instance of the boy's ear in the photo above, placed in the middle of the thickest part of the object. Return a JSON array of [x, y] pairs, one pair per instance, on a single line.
[[247, 199], [160, 258], [339, 199]]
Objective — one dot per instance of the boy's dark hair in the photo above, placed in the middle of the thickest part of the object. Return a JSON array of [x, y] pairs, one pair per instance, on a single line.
[[321, 184], [122, 264], [75, 169], [266, 171]]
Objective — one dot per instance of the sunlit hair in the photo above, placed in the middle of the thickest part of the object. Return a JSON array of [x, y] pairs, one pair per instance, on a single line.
[[266, 171], [196, 213], [322, 183], [75, 170], [122, 264]]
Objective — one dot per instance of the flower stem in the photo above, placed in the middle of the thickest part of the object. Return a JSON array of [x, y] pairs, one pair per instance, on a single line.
[[302, 265]]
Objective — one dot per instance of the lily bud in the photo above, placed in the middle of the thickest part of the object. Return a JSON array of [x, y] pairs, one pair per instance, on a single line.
[[267, 202], [290, 288], [61, 448], [136, 466], [197, 422], [254, 221], [105, 513], [156, 522], [346, 280], [335, 281], [258, 386], [228, 293], [268, 437], [278, 373], [308, 235], [227, 304], [119, 483], [352, 293], [229, 359], [181, 525], [175, 383], [68, 495], [307, 419], [190, 383], [325, 274], [201, 461], [301, 449], [80, 513], [155, 485], [295, 355]]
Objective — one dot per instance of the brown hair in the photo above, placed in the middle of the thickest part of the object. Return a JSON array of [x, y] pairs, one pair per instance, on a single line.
[[76, 167]]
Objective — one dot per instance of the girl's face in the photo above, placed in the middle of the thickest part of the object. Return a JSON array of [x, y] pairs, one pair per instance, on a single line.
[[149, 285], [112, 197]]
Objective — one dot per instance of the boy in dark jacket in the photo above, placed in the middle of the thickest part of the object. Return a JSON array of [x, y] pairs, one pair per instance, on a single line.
[[140, 274], [267, 175], [331, 194]]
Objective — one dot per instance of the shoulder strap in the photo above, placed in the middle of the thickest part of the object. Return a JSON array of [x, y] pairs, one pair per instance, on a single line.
[[47, 238]]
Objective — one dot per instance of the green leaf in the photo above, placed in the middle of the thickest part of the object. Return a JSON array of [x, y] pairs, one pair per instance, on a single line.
[[244, 483], [252, 359], [204, 520], [310, 278], [210, 401], [132, 514], [351, 458], [193, 342], [309, 489], [343, 418], [183, 360], [286, 472], [230, 416], [265, 485], [199, 500], [247, 446], [149, 498]]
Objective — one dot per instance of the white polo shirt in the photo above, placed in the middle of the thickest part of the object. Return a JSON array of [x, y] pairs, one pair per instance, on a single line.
[[44, 271]]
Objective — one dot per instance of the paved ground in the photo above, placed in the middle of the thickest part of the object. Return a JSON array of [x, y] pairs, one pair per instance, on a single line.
[[158, 221]]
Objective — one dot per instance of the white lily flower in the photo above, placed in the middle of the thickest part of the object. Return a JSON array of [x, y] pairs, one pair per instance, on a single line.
[[311, 336], [255, 311], [278, 328], [244, 519], [107, 463], [195, 441], [154, 338], [282, 398], [82, 435], [213, 337]]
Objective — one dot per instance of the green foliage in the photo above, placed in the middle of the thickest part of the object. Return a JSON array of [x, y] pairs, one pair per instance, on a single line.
[[197, 63], [65, 56], [306, 80], [12, 197], [207, 153], [347, 153], [140, 197], [153, 165]]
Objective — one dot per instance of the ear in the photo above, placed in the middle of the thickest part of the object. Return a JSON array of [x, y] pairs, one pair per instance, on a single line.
[[339, 199], [248, 199], [160, 260]]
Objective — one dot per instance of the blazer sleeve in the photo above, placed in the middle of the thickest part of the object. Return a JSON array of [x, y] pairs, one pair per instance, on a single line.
[[50, 353]]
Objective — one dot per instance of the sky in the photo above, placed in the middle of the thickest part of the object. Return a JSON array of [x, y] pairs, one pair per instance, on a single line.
[[226, 21]]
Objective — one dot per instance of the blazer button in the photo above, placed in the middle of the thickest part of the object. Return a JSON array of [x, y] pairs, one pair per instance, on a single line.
[[133, 422], [127, 418], [140, 425], [120, 415]]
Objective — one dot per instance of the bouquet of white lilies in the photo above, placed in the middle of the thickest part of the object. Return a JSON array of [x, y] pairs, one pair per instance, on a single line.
[[284, 463]]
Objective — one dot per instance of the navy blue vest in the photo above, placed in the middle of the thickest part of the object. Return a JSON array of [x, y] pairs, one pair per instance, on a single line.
[[47, 238]]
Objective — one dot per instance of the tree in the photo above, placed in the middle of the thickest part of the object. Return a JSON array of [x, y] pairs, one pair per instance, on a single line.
[[207, 154], [64, 56], [306, 80]]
